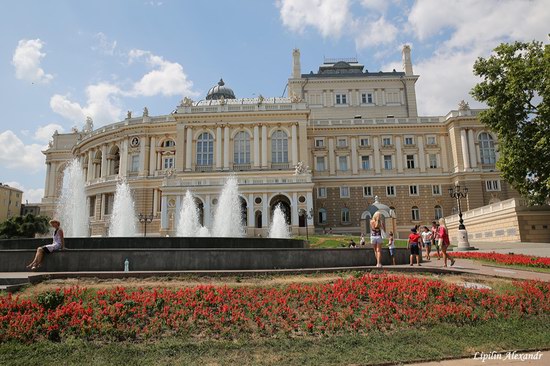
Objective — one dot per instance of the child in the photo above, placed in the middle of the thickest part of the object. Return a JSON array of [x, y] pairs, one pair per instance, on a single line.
[[427, 240], [435, 238], [414, 246], [391, 247]]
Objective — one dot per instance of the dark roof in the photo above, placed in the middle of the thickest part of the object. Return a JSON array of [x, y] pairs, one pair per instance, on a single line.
[[346, 69], [220, 90]]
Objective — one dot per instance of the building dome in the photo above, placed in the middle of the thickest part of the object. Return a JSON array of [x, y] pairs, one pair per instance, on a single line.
[[219, 91]]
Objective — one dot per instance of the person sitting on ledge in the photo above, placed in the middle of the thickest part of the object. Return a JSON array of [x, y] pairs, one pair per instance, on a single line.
[[352, 244], [57, 244]]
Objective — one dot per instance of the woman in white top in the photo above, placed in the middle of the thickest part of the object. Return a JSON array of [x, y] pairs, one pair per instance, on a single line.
[[376, 228], [58, 243]]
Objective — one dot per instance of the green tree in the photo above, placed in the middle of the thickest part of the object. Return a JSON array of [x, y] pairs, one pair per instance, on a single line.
[[516, 88], [24, 226]]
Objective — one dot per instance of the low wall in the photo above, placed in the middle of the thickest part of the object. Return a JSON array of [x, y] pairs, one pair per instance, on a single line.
[[195, 259]]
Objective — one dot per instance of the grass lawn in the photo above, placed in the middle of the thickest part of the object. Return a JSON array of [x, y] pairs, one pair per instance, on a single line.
[[341, 241], [403, 345]]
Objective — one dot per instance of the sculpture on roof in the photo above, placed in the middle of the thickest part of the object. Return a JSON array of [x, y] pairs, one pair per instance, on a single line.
[[294, 98], [222, 100], [129, 114], [88, 125], [145, 112], [463, 106], [260, 99], [187, 102]]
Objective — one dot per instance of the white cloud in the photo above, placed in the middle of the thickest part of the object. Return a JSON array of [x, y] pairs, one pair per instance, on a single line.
[[378, 5], [27, 58], [14, 154], [327, 16], [104, 44], [376, 33], [32, 195], [44, 133]]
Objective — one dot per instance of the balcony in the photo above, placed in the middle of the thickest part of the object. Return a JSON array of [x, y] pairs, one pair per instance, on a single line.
[[203, 168], [280, 166], [241, 167]]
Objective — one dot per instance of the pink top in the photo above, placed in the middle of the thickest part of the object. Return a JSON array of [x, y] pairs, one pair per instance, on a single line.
[[442, 234]]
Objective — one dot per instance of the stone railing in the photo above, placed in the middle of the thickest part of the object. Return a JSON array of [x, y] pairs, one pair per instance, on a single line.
[[377, 121], [306, 178], [492, 208]]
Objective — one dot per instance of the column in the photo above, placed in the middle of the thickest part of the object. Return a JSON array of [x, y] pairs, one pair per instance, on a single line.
[[226, 147], [464, 143], [53, 174], [376, 148], [153, 156], [143, 145], [102, 208], [180, 147], [159, 160], [164, 213], [189, 149], [123, 171], [207, 210], [155, 201], [472, 148], [90, 176], [264, 146], [219, 147], [302, 143], [421, 154], [256, 156], [331, 157], [104, 167], [399, 154], [265, 211], [47, 182], [294, 142], [250, 210], [309, 203], [179, 200], [294, 209], [354, 166]]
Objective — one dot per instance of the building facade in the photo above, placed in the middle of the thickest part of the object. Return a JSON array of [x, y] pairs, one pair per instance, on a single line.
[[10, 201], [344, 138]]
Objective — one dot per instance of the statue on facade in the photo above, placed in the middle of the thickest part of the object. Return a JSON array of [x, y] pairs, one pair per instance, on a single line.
[[129, 114], [50, 144], [145, 112], [187, 102], [463, 106], [300, 169], [74, 129], [260, 99], [88, 125], [294, 98]]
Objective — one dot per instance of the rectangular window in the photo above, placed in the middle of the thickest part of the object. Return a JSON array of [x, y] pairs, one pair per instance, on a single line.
[[321, 192], [492, 185], [92, 206], [386, 141], [322, 216], [135, 163], [365, 162], [168, 163], [320, 163], [109, 200], [342, 143], [364, 141], [345, 216], [388, 162], [433, 161], [415, 214], [343, 163], [436, 190], [341, 99], [409, 140], [413, 190], [438, 212], [367, 191], [366, 98], [344, 192], [390, 190], [319, 143], [410, 162], [431, 140]]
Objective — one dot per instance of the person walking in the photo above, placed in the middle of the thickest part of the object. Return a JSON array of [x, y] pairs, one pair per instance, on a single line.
[[58, 243], [427, 240], [444, 242], [376, 228], [413, 244], [435, 238]]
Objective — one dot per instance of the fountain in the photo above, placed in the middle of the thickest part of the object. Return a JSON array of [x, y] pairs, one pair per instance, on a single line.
[[71, 210], [188, 224], [279, 227], [123, 219]]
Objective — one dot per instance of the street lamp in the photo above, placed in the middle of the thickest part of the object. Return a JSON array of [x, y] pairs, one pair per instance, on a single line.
[[457, 194], [145, 219], [307, 216]]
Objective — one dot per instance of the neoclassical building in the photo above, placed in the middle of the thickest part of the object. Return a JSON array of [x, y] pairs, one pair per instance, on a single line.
[[355, 136]]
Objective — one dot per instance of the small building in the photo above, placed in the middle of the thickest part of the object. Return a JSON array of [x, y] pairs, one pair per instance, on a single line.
[[10, 202]]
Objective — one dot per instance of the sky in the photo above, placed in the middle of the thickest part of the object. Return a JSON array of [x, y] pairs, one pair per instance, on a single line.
[[61, 61]]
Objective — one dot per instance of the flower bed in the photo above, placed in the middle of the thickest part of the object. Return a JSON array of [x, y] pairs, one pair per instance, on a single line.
[[352, 305], [509, 259]]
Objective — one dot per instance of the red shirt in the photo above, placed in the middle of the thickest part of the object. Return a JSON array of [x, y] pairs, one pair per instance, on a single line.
[[413, 238], [442, 234]]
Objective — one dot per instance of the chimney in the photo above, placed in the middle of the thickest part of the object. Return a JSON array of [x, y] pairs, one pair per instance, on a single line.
[[296, 68], [407, 63]]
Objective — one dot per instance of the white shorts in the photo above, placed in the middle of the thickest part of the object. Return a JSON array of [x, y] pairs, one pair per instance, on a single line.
[[376, 239], [52, 247]]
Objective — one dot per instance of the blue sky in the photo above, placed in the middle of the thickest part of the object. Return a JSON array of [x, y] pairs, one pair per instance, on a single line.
[[63, 60]]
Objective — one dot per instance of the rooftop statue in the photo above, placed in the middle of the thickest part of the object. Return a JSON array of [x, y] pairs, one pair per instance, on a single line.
[[88, 125], [129, 114], [463, 106], [294, 98], [145, 112], [187, 102]]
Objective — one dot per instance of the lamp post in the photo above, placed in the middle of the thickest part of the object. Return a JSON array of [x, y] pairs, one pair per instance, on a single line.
[[307, 216], [145, 219], [458, 193]]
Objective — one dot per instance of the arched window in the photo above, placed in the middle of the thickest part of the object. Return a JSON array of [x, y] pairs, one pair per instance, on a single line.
[[279, 147], [415, 213], [205, 149], [487, 148], [168, 143], [345, 216], [322, 214], [241, 148], [438, 212]]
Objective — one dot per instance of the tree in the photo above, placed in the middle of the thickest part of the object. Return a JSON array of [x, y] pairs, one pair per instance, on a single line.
[[24, 226], [516, 88]]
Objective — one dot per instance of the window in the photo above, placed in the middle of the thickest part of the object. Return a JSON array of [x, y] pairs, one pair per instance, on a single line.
[[341, 99], [241, 148], [109, 200], [168, 162], [438, 212], [487, 148], [413, 190], [92, 206], [388, 162], [410, 162], [342, 142], [344, 192], [365, 162], [168, 143], [492, 185], [345, 216], [364, 141], [392, 97], [320, 163], [367, 191], [390, 190], [366, 98], [343, 163], [319, 143], [415, 213], [431, 140], [322, 216], [409, 140], [205, 149], [279, 147], [433, 161], [436, 189], [386, 141], [135, 163], [321, 192]]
